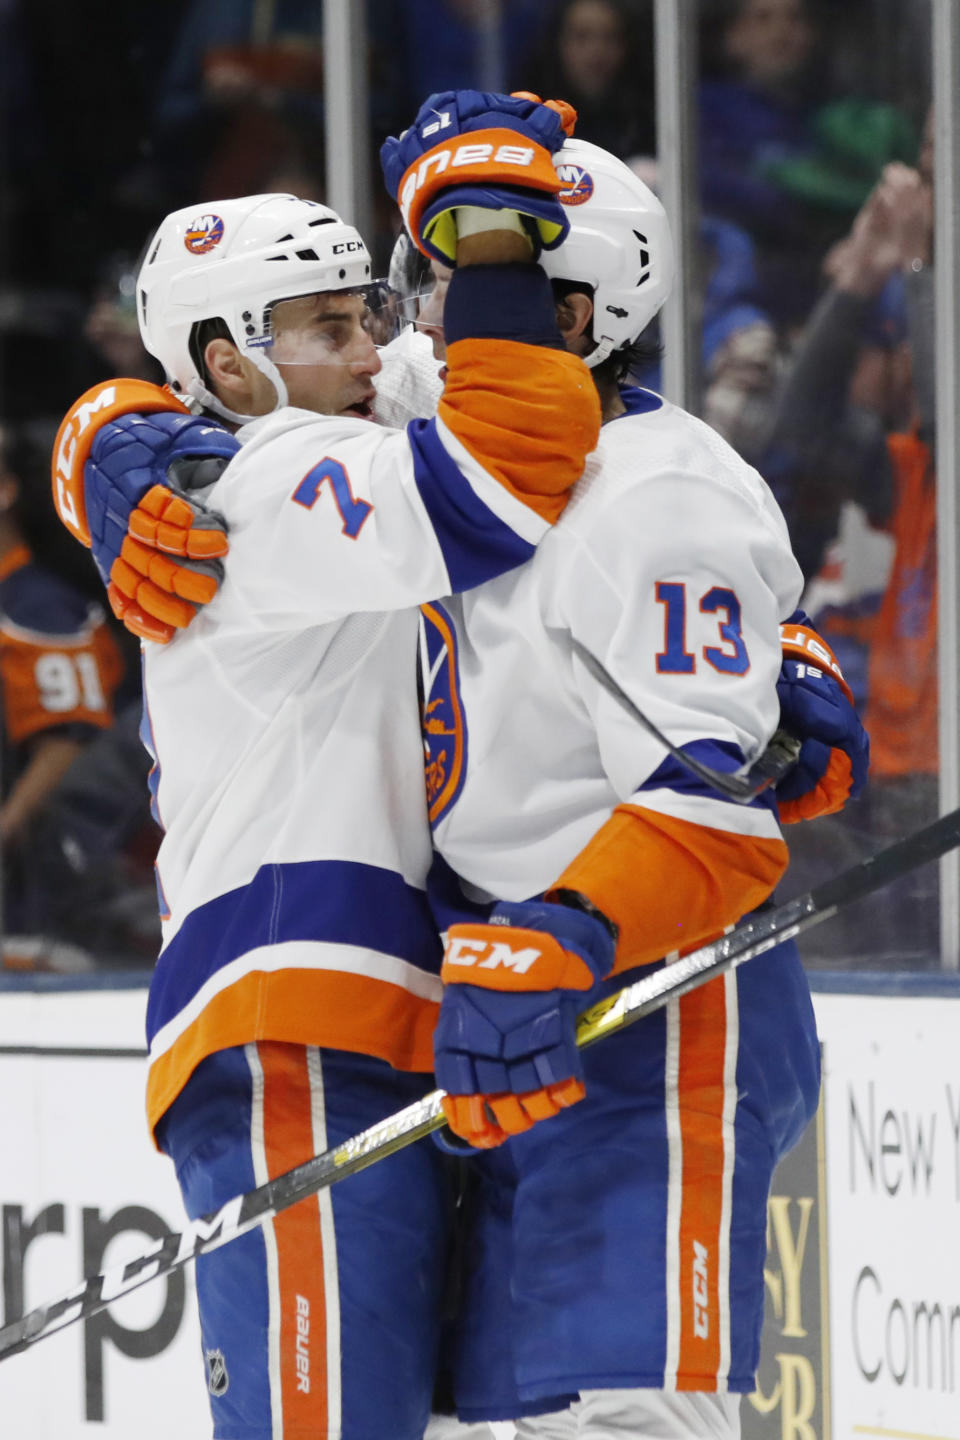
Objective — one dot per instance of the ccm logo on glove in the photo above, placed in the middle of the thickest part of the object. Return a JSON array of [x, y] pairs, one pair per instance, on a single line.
[[527, 960], [74, 426], [488, 956]]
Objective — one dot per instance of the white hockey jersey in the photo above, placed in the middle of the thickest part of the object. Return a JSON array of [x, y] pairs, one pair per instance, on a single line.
[[672, 565], [285, 720]]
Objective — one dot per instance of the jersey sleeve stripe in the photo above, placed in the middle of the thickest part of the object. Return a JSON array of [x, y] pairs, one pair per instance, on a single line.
[[477, 542], [720, 755], [675, 790], [529, 415], [499, 500], [327, 903], [710, 810], [356, 1012], [297, 955]]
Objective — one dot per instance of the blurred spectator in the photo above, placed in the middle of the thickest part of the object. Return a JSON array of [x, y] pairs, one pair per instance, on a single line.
[[741, 357], [598, 54], [111, 327], [422, 46], [240, 104], [226, 51], [59, 670], [779, 154], [874, 597], [740, 349]]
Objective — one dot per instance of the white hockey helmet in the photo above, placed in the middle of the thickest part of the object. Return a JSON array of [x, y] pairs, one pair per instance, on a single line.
[[619, 244], [234, 260]]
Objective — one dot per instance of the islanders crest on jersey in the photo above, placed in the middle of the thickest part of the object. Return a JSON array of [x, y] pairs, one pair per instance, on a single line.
[[443, 717]]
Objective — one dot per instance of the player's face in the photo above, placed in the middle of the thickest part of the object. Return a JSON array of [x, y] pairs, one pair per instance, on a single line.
[[323, 350], [430, 319]]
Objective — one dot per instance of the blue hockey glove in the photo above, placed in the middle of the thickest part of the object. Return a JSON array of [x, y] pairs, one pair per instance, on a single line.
[[157, 548], [505, 1047], [468, 147], [816, 707]]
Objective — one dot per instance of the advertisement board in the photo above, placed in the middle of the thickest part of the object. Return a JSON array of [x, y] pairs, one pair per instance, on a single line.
[[81, 1189], [862, 1335], [892, 1083], [793, 1396]]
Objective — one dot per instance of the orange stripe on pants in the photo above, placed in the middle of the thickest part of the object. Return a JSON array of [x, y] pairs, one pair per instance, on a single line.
[[704, 1227], [300, 1299]]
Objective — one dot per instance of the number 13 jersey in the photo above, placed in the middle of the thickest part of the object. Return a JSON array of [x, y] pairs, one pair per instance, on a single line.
[[673, 567]]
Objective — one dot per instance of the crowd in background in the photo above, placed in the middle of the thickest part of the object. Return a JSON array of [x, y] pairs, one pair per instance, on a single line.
[[816, 217]]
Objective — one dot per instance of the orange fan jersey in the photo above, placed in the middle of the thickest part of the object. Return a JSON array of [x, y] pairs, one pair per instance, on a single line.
[[59, 664], [902, 706]]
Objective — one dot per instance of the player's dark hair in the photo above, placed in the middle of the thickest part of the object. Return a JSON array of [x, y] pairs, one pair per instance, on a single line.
[[636, 355], [203, 332], [630, 358]]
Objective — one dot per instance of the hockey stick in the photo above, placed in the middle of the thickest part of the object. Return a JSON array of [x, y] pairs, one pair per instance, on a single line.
[[741, 786], [651, 992]]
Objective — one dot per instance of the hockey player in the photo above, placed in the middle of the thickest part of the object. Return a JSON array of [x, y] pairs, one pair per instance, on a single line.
[[619, 1251], [296, 993]]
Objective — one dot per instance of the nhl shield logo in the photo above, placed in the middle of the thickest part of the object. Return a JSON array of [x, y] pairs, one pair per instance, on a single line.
[[203, 234], [217, 1378]]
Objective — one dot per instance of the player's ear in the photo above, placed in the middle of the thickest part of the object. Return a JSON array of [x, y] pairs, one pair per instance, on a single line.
[[236, 380], [574, 313], [223, 361]]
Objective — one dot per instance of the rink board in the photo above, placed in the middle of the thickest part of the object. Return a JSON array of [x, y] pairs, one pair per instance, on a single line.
[[863, 1282]]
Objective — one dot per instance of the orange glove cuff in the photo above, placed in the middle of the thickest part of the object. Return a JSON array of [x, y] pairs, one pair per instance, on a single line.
[[78, 430], [500, 957], [799, 642], [497, 156]]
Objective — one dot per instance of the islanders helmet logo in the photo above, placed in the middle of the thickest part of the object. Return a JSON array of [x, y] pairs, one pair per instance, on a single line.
[[203, 234], [577, 182]]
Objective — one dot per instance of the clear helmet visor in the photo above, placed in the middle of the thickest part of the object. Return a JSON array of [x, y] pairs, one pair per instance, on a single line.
[[332, 328], [420, 285], [426, 305], [419, 306]]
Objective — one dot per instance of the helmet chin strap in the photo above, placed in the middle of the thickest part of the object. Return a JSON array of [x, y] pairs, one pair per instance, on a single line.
[[596, 357], [208, 401]]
